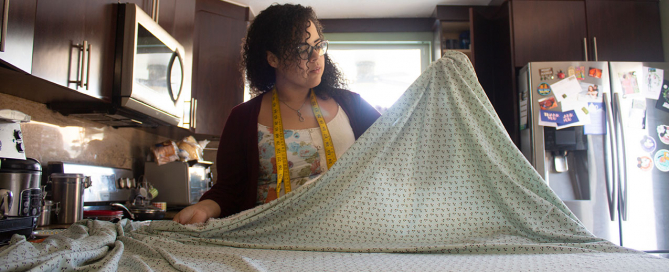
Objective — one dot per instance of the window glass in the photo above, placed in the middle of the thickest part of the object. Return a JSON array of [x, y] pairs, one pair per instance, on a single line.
[[380, 73]]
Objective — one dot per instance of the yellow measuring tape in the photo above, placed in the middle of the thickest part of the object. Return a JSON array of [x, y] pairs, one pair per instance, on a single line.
[[282, 171]]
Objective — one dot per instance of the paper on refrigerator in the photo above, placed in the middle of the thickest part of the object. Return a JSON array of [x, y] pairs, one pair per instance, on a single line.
[[566, 92], [651, 85]]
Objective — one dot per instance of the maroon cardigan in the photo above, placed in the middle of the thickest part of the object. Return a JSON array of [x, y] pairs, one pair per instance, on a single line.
[[237, 160]]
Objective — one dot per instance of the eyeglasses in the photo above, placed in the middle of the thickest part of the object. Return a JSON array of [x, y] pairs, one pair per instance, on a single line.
[[305, 50]]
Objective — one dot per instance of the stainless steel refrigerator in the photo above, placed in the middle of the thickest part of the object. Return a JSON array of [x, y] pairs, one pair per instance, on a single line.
[[610, 167]]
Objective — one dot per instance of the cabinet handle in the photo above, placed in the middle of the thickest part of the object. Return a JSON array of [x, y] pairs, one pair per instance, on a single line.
[[82, 64], [155, 10], [594, 44], [585, 48], [88, 64], [194, 120], [3, 31]]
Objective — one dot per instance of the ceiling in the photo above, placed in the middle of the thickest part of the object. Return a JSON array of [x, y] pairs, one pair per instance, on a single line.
[[329, 9]]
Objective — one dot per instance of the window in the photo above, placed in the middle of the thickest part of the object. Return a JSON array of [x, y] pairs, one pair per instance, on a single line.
[[380, 71]]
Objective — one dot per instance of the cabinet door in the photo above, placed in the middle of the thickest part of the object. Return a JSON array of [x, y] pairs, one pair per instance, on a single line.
[[548, 31], [625, 30], [166, 14], [59, 26], [217, 81], [100, 35], [183, 32], [20, 27]]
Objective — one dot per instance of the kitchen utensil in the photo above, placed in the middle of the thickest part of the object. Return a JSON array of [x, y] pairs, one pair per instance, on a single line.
[[141, 213], [47, 213], [68, 190], [104, 215], [22, 178]]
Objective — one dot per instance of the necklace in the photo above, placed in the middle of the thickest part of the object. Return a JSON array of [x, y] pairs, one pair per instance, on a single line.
[[299, 114]]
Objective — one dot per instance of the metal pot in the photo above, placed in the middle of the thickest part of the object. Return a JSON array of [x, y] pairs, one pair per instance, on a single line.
[[141, 213]]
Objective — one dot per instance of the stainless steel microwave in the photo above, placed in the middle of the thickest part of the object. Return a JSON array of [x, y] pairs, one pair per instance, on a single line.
[[148, 67]]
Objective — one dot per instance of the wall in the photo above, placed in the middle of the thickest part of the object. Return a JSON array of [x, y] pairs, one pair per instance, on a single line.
[[51, 136]]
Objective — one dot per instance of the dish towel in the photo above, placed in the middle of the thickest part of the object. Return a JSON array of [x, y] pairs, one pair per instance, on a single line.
[[437, 173]]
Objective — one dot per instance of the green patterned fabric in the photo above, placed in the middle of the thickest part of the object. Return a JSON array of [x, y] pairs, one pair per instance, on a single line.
[[437, 174]]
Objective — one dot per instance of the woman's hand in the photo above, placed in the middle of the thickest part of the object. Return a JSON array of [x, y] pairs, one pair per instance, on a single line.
[[198, 213]]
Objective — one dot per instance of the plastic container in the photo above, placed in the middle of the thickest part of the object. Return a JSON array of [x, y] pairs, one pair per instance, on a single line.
[[103, 215]]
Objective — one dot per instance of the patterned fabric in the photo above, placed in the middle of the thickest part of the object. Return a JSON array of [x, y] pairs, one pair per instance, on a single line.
[[306, 156], [435, 174]]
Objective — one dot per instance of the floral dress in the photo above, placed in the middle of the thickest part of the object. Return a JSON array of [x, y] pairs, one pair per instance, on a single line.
[[306, 157]]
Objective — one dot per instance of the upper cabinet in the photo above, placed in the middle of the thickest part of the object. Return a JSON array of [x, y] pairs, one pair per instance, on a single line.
[[620, 30], [624, 30], [68, 47], [453, 30], [549, 31], [217, 79], [74, 44], [17, 27]]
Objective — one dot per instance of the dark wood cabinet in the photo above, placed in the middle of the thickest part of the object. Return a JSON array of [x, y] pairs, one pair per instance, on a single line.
[[452, 25], [16, 34], [604, 30], [624, 30], [521, 31], [217, 79], [548, 31], [59, 27]]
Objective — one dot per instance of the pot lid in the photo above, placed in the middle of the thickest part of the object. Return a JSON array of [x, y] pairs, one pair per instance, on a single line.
[[16, 165]]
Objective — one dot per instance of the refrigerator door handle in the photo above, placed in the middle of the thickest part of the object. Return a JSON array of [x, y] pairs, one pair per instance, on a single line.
[[609, 164], [622, 171]]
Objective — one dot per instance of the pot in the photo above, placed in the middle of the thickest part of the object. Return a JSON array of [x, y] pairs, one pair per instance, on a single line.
[[141, 213]]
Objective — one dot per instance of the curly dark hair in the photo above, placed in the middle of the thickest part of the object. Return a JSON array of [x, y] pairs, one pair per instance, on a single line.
[[280, 29]]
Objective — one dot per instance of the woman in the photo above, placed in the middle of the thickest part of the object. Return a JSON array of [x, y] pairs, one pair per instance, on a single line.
[[296, 83]]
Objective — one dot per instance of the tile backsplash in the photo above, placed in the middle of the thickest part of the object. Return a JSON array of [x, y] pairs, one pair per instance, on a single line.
[[50, 136]]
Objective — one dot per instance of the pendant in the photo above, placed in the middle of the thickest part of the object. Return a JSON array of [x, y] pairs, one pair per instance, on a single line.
[[299, 115]]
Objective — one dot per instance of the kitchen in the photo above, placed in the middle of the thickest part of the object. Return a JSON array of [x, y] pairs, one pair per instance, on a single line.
[[54, 137]]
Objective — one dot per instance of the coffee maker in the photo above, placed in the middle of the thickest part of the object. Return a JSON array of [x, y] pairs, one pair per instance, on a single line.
[[21, 197]]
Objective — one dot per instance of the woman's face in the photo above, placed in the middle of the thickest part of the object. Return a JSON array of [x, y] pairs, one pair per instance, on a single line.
[[304, 73]]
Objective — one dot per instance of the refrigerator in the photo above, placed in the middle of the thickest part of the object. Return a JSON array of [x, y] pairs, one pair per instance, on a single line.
[[598, 133]]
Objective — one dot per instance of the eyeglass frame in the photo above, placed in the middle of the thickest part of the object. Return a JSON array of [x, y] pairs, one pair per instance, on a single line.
[[310, 49]]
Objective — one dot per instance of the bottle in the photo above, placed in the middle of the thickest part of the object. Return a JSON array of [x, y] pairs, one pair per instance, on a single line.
[[464, 40]]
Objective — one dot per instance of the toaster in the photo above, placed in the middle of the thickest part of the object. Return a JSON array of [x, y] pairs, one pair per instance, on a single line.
[[179, 183]]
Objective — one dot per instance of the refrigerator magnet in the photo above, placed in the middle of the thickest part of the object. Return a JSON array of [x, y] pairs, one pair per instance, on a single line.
[[663, 100], [544, 89], [662, 160], [561, 75], [580, 72], [546, 73], [547, 103], [648, 144], [595, 72], [644, 163], [663, 134], [571, 71]]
